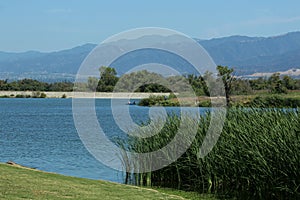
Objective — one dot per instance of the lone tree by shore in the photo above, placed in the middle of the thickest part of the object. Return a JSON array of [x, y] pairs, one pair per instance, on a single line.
[[227, 77]]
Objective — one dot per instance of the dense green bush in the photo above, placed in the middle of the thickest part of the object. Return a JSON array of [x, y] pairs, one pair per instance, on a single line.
[[205, 103], [42, 95], [23, 96], [158, 101]]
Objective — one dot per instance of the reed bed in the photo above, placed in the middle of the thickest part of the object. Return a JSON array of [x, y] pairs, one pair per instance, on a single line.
[[256, 157]]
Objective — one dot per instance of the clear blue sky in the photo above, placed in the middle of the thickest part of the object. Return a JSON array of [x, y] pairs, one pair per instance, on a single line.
[[48, 25]]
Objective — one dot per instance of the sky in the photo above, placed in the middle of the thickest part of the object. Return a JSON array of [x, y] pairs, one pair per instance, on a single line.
[[52, 25]]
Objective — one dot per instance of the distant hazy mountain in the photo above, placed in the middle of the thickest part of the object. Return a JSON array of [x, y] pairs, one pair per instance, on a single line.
[[247, 55], [256, 54]]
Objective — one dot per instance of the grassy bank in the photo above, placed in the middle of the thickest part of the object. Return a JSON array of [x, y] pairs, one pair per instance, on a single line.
[[290, 100], [22, 183], [264, 99], [256, 157]]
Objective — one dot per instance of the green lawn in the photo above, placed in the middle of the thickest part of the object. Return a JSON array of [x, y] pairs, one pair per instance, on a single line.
[[22, 183]]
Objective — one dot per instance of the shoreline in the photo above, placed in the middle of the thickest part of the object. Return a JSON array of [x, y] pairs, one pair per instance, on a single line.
[[96, 95], [38, 184]]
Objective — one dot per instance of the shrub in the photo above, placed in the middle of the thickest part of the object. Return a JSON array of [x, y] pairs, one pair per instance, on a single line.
[[205, 103], [20, 96], [153, 101], [43, 95]]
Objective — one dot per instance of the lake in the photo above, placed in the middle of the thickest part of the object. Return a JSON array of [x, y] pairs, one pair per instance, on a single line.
[[40, 133]]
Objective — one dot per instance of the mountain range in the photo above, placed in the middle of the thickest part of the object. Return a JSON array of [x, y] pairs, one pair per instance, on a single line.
[[247, 55]]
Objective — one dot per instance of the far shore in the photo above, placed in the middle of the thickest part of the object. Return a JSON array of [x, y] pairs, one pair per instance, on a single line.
[[97, 95]]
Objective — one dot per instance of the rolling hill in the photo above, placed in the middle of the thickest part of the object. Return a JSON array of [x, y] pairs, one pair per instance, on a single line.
[[247, 55]]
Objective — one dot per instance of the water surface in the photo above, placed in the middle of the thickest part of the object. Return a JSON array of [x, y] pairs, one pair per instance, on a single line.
[[40, 133]]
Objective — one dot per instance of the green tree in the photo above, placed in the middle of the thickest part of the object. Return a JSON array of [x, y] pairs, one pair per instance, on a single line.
[[241, 87], [288, 82], [93, 83], [225, 73], [3, 85], [259, 84], [61, 86], [275, 84], [142, 81], [209, 83], [198, 84], [108, 79]]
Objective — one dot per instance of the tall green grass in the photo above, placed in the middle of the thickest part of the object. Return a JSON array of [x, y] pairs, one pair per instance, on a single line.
[[256, 157]]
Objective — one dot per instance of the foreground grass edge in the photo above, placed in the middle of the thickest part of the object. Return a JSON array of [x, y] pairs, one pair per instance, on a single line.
[[17, 182]]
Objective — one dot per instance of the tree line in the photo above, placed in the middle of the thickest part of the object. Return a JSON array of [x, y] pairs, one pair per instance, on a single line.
[[234, 85], [145, 81], [34, 85]]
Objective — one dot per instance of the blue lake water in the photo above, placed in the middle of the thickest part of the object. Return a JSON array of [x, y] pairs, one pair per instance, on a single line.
[[40, 133]]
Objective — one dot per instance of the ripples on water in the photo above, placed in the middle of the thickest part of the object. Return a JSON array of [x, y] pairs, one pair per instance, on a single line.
[[40, 133]]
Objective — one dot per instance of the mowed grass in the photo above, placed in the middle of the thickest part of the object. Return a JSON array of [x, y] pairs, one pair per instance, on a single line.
[[22, 183]]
